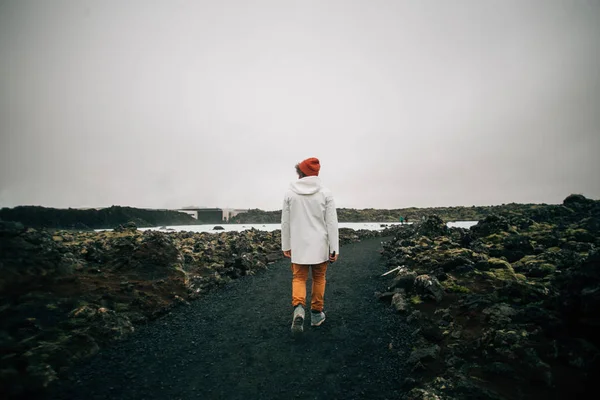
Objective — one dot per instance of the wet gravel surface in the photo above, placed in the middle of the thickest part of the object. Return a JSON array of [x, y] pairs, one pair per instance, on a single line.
[[235, 343]]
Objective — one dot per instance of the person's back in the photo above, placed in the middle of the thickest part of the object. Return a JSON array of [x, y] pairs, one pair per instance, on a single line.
[[309, 236], [310, 207]]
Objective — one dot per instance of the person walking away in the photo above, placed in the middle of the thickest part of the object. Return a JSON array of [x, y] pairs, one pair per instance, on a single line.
[[310, 238]]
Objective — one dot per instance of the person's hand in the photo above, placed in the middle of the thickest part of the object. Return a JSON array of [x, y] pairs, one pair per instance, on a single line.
[[333, 258], [287, 253]]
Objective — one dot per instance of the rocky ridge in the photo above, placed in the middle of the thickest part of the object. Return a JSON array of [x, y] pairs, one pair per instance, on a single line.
[[411, 214], [88, 219]]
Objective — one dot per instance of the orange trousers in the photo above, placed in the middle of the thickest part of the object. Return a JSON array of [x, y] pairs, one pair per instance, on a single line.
[[299, 278]]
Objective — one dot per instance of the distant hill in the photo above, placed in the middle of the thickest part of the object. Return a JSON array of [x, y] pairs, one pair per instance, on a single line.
[[474, 213], [43, 217]]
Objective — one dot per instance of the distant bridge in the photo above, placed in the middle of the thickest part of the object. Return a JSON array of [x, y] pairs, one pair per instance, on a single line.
[[211, 215]]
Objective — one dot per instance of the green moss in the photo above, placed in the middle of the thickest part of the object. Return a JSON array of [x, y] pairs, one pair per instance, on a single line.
[[415, 300], [504, 274], [424, 242], [528, 262], [496, 263], [539, 231], [541, 226], [496, 238], [534, 266], [451, 286], [441, 241], [527, 259], [454, 288], [489, 274], [459, 252], [548, 268], [580, 235]]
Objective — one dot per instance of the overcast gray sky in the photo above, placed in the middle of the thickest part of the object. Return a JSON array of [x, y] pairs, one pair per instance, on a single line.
[[212, 103]]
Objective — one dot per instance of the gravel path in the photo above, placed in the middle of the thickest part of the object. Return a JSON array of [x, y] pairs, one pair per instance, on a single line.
[[235, 343]]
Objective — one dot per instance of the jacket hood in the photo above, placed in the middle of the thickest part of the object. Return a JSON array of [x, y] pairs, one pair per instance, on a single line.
[[307, 185]]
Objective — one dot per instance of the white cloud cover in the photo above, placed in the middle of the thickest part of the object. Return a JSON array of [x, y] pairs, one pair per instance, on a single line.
[[406, 103]]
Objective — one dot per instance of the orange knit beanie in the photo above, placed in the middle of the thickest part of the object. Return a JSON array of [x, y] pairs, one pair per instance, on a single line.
[[310, 167]]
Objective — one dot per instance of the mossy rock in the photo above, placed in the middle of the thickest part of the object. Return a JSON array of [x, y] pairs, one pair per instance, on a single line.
[[542, 270], [497, 263], [541, 227], [454, 288], [528, 259], [580, 235], [441, 240], [502, 274], [460, 252], [578, 202], [527, 263], [424, 241], [496, 238], [544, 234]]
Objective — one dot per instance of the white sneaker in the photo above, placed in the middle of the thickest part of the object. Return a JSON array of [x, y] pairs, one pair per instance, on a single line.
[[317, 319], [298, 319]]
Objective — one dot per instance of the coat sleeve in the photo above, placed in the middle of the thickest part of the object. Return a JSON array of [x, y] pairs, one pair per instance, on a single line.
[[285, 225], [332, 225]]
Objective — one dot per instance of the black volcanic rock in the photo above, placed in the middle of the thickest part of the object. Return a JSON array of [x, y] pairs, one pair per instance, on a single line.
[[490, 225], [64, 295], [518, 304], [432, 226], [578, 202]]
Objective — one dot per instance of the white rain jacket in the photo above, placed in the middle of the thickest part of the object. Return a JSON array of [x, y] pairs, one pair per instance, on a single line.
[[309, 225]]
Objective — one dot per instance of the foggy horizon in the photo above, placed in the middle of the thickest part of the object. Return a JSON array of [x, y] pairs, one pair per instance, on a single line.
[[406, 103], [279, 209]]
